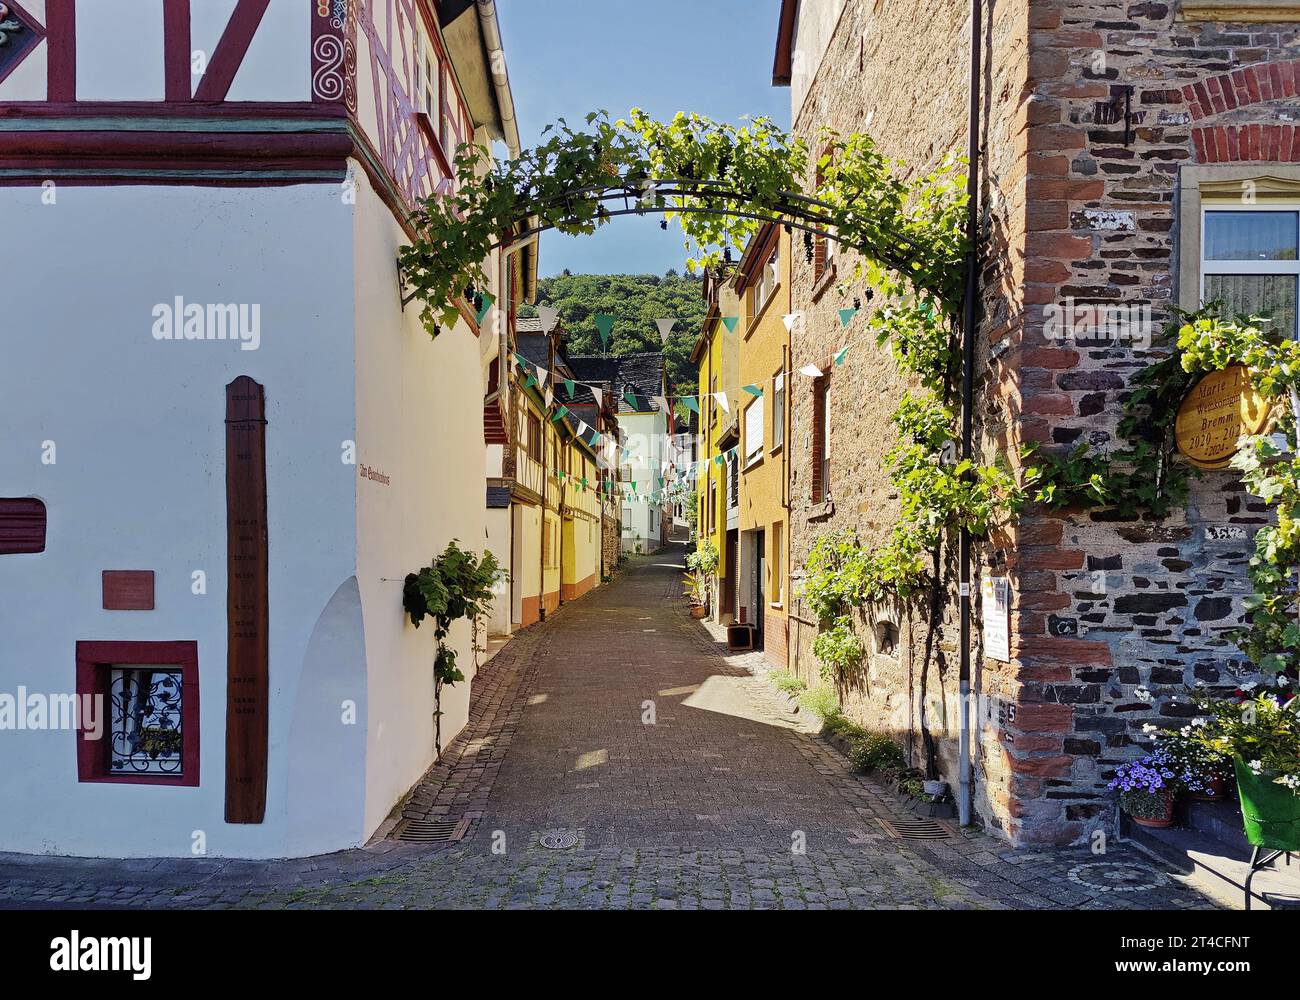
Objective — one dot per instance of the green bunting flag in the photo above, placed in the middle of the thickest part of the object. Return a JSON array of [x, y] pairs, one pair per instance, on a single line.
[[488, 302], [530, 381], [691, 403], [630, 398], [840, 355], [568, 387], [730, 322], [605, 325], [717, 459], [753, 390], [560, 413], [846, 316], [520, 360], [584, 482]]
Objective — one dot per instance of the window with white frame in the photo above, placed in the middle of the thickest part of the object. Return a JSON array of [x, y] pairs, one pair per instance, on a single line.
[[430, 82], [1250, 260], [754, 431]]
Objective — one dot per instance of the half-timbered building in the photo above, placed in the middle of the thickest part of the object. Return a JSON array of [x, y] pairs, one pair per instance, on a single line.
[[227, 439]]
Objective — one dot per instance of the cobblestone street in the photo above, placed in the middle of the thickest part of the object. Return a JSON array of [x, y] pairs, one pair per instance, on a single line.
[[680, 777]]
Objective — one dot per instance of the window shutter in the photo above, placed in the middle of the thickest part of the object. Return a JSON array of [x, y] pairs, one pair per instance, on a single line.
[[22, 525]]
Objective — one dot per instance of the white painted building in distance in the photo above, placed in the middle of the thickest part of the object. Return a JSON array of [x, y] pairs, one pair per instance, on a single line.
[[225, 440], [645, 426]]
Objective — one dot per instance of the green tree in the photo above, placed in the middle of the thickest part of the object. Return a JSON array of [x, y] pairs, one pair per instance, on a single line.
[[637, 300]]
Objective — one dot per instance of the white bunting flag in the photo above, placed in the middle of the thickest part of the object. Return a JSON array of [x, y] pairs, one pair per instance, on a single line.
[[662, 403], [550, 397], [790, 319], [812, 371], [542, 373], [582, 428], [721, 397], [598, 396], [549, 317], [665, 328]]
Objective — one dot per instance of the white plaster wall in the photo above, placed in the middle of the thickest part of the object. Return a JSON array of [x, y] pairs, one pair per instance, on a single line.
[[646, 435], [499, 542], [277, 66], [419, 406], [120, 55], [139, 484]]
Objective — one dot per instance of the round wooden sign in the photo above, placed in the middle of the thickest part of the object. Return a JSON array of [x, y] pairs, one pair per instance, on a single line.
[[1220, 408]]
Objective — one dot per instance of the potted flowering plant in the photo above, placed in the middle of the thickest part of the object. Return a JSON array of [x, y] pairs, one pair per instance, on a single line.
[[1147, 787], [1202, 771], [1262, 736], [701, 566]]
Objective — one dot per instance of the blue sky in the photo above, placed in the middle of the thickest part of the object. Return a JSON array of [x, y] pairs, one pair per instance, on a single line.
[[569, 57]]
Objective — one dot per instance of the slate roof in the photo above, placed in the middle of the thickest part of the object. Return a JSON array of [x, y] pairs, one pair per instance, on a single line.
[[642, 373]]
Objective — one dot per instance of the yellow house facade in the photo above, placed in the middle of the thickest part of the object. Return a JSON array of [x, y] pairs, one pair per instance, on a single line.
[[762, 285], [716, 357]]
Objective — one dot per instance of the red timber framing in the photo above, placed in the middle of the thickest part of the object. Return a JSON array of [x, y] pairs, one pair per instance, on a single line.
[[202, 139]]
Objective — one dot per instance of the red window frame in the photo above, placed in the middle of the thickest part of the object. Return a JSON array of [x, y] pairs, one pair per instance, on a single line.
[[94, 663]]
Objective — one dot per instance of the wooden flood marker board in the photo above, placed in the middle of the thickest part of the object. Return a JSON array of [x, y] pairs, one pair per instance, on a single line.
[[246, 602]]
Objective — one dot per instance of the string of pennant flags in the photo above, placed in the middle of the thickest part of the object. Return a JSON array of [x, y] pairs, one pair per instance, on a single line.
[[548, 381], [605, 322]]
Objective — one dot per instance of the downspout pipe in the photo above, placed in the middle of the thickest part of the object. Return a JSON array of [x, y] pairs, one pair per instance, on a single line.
[[491, 27], [970, 315]]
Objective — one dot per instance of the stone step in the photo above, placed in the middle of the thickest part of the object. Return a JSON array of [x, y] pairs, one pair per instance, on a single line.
[[1218, 867]]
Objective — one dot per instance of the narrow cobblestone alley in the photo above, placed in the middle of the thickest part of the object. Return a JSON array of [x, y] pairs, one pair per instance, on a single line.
[[679, 778]]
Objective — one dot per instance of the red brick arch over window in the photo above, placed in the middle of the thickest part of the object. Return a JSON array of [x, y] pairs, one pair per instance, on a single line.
[[1232, 91]]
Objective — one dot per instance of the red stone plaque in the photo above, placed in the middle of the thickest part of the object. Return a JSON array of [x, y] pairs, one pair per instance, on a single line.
[[128, 590], [246, 602]]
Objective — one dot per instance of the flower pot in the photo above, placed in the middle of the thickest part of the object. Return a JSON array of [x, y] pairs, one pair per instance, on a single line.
[[1159, 817], [1216, 789], [699, 611], [1269, 811]]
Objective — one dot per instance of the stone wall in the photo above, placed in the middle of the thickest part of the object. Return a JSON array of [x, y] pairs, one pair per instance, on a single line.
[[1112, 618], [903, 79], [1115, 617]]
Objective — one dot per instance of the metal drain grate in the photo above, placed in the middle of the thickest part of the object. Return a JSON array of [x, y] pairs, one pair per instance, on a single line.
[[558, 840], [915, 829], [432, 831]]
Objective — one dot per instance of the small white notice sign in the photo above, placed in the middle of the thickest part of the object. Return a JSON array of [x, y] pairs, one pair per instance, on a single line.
[[996, 608]]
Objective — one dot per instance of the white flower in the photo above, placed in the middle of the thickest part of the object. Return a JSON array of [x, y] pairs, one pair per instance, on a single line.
[[1200, 721], [1149, 728], [1256, 766], [1200, 683], [1291, 781], [1281, 681], [1142, 694], [1250, 685]]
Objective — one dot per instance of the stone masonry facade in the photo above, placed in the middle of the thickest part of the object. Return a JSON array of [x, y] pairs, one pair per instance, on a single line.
[[1112, 619]]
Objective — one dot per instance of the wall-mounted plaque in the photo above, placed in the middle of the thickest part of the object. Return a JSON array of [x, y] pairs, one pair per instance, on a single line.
[[127, 589], [246, 602], [1220, 408], [995, 609]]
